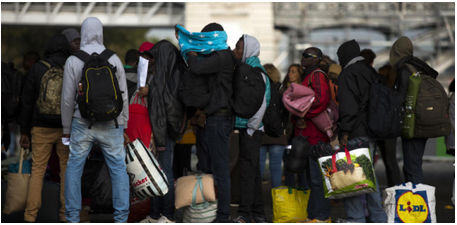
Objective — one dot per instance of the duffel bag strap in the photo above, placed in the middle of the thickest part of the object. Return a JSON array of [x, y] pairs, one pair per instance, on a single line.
[[194, 193]]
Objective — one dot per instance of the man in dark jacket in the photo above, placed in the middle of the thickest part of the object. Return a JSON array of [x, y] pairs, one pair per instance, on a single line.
[[318, 206], [168, 121], [47, 130], [354, 85], [219, 119], [401, 58]]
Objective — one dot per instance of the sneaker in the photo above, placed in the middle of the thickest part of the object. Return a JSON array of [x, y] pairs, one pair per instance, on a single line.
[[307, 220], [258, 219], [329, 220], [148, 219], [164, 219], [242, 219]]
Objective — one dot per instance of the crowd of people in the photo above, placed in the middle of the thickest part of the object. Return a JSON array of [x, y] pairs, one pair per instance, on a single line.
[[232, 148]]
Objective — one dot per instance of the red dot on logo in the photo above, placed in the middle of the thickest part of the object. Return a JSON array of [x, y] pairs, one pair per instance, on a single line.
[[409, 203]]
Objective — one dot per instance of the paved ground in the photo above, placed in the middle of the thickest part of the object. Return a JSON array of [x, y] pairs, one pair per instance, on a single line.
[[438, 173]]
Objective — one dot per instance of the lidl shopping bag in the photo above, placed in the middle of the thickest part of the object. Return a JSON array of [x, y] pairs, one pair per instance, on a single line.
[[146, 177], [347, 173], [410, 203], [290, 204]]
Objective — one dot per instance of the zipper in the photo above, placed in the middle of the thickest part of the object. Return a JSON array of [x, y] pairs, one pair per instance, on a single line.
[[112, 79]]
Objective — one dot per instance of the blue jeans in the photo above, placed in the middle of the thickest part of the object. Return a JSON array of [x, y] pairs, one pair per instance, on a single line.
[[218, 128], [353, 205], [111, 141], [318, 205], [275, 153], [165, 205]]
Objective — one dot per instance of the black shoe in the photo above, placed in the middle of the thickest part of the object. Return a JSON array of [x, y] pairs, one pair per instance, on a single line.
[[242, 219], [259, 219]]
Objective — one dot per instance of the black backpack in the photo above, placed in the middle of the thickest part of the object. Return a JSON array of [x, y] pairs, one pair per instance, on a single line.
[[385, 112], [248, 89], [276, 116], [99, 95], [12, 84]]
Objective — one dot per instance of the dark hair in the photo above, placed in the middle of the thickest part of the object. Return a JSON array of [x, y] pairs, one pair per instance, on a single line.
[[212, 27], [131, 56], [324, 65], [32, 55], [390, 74], [316, 51], [369, 56]]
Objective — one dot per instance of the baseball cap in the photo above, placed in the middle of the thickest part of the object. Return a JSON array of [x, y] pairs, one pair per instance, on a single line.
[[146, 46]]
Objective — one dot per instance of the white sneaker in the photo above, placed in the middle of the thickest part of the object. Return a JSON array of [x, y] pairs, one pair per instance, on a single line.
[[164, 219], [148, 219]]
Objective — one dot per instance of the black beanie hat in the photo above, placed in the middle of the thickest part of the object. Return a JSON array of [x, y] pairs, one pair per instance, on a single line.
[[212, 27]]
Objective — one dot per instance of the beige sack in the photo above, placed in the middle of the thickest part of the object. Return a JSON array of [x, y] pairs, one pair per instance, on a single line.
[[185, 186], [18, 185]]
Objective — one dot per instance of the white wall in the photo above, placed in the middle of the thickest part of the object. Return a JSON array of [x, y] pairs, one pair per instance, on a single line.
[[237, 18]]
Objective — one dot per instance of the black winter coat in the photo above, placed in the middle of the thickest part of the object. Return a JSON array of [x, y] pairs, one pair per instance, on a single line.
[[217, 65], [56, 53], [166, 111]]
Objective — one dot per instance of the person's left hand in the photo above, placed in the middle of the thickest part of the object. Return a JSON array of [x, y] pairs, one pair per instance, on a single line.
[[126, 139], [143, 91], [192, 53]]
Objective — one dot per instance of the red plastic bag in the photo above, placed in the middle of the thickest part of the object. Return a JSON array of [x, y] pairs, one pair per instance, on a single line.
[[139, 125], [139, 209]]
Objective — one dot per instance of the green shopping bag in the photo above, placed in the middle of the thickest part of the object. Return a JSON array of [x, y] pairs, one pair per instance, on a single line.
[[414, 85]]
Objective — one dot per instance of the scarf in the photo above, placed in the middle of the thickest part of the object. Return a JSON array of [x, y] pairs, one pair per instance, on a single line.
[[201, 42]]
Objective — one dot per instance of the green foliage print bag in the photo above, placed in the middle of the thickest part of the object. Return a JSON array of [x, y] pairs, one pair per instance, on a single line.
[[347, 173]]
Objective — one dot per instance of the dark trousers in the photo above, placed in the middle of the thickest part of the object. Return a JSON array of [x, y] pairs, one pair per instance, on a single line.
[[388, 149], [204, 161], [234, 167], [181, 159], [318, 205], [413, 151], [251, 201], [217, 130]]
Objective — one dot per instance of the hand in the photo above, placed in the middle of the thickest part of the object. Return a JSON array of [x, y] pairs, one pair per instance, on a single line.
[[66, 135], [344, 140], [25, 141], [143, 91], [192, 53], [126, 139]]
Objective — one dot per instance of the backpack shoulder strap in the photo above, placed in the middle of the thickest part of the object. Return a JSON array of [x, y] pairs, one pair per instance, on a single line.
[[315, 71], [106, 54], [46, 64], [82, 55]]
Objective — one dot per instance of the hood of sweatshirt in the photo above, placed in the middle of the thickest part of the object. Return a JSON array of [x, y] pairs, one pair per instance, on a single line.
[[57, 50], [251, 47], [401, 48], [348, 51], [92, 36]]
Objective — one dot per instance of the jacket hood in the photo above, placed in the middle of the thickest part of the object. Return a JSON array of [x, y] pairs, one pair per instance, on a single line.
[[348, 51], [57, 46], [92, 35], [251, 47], [401, 48]]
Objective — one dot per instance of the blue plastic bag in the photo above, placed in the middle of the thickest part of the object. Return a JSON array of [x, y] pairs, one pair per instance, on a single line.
[[26, 167]]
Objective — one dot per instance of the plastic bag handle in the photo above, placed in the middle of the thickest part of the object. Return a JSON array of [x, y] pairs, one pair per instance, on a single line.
[[348, 157], [194, 193], [404, 184], [298, 188]]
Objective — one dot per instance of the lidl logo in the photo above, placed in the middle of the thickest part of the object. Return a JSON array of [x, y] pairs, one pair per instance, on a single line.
[[412, 207]]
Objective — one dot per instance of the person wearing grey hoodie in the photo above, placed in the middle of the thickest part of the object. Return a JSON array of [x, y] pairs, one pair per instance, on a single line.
[[353, 91], [251, 133], [110, 138]]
